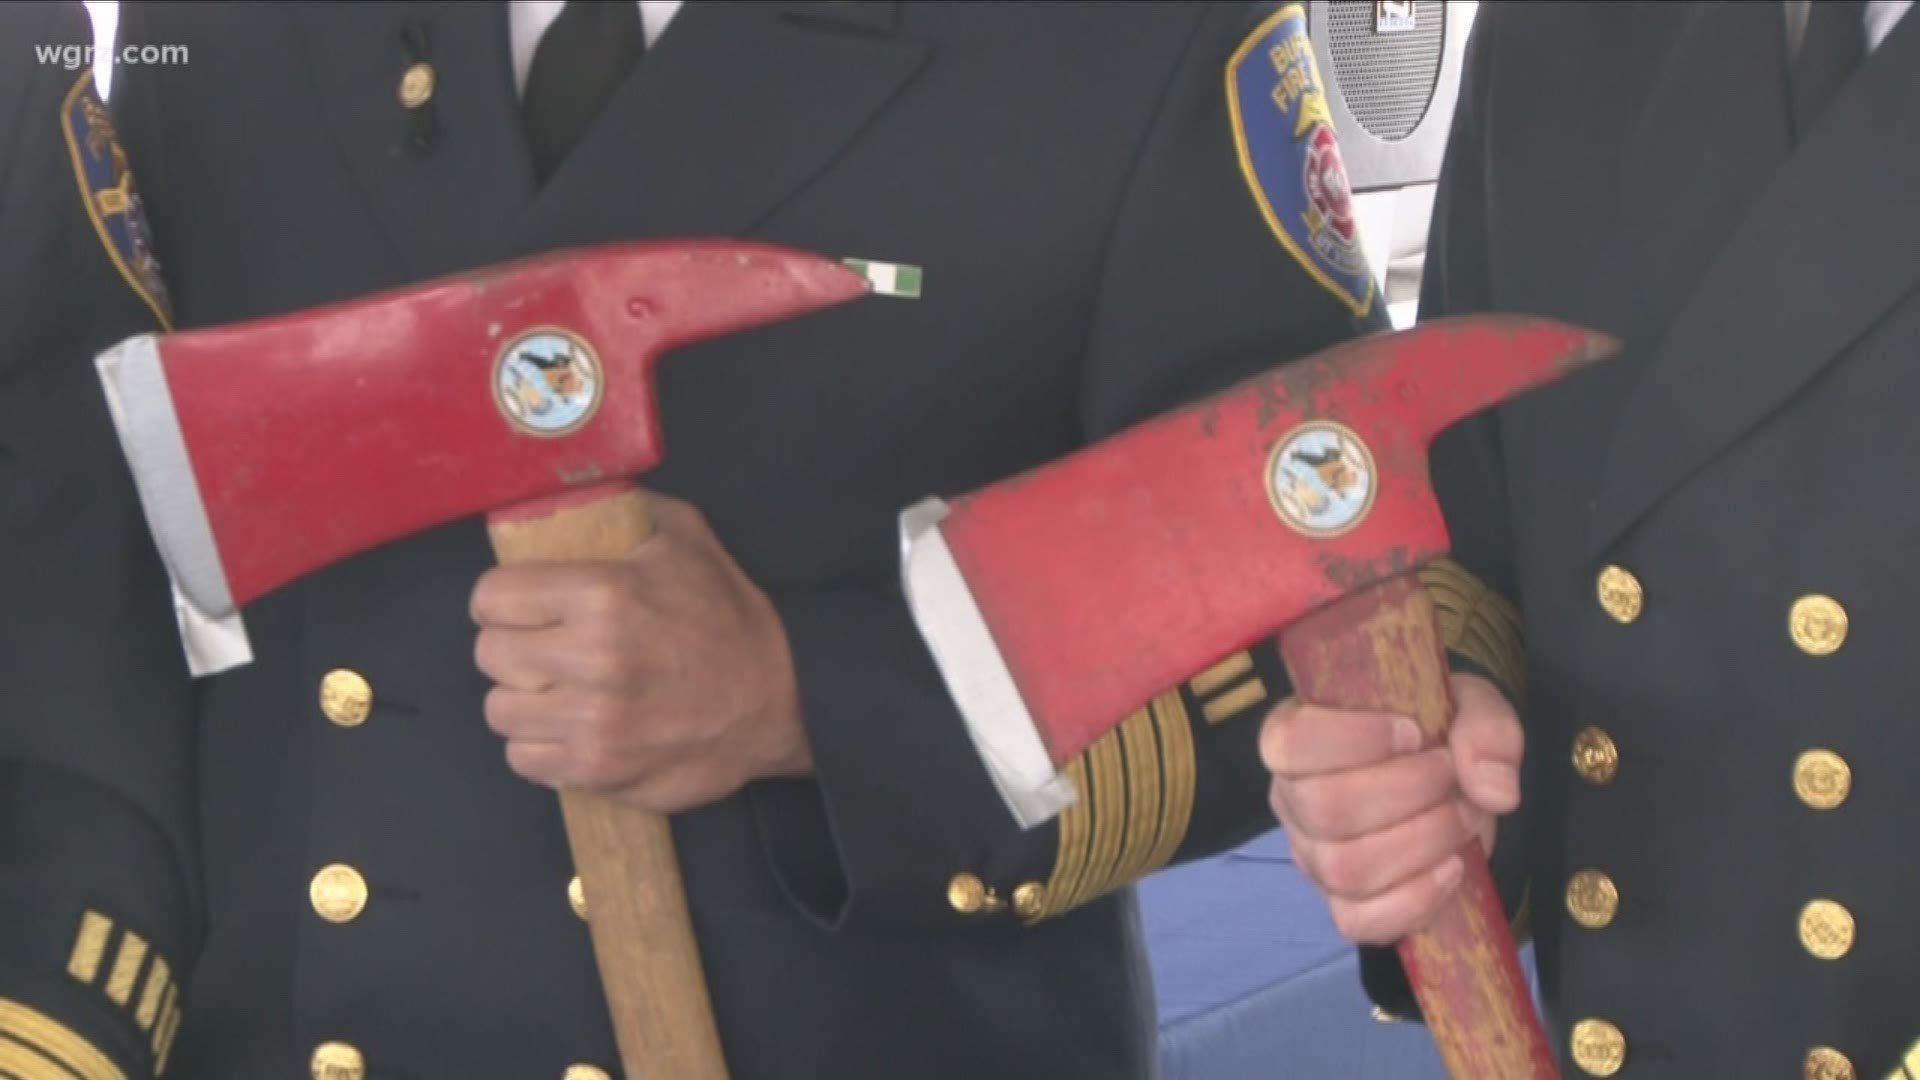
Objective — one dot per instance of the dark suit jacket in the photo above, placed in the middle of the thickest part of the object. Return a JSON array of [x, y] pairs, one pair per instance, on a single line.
[[1067, 177], [1708, 741], [89, 661]]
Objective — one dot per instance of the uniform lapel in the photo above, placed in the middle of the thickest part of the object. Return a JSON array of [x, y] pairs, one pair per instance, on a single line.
[[737, 106], [1830, 242], [453, 202], [1665, 197], [1711, 132]]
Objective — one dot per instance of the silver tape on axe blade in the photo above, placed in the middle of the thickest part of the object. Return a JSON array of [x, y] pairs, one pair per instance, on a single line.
[[975, 673], [141, 405], [212, 645]]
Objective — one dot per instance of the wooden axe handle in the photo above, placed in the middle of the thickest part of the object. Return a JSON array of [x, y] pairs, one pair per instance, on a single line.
[[1380, 650], [636, 901]]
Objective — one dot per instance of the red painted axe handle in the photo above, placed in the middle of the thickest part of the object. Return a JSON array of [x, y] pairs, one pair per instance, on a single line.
[[636, 901], [1380, 650]]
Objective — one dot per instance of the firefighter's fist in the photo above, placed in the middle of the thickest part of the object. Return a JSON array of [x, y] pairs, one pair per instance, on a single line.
[[663, 679], [1376, 821]]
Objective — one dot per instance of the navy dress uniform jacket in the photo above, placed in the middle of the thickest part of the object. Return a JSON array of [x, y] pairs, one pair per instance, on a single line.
[[88, 658], [1709, 538], [365, 889]]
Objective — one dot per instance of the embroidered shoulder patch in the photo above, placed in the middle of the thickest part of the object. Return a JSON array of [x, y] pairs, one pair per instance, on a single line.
[[1283, 132], [106, 184]]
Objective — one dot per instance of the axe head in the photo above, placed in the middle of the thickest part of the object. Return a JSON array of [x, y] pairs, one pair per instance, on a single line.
[[1060, 601], [266, 450]]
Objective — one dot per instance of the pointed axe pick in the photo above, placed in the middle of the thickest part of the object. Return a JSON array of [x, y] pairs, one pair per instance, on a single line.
[[1296, 504], [267, 450]]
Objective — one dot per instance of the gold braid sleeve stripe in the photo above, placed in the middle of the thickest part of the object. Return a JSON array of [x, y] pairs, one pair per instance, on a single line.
[[21, 1062], [1070, 861], [169, 1028], [1223, 674], [123, 981], [126, 967], [52, 1039], [1478, 623], [89, 946], [1909, 1067], [1136, 788], [1178, 769], [1522, 924], [158, 980], [1108, 800], [1143, 797], [1228, 689]]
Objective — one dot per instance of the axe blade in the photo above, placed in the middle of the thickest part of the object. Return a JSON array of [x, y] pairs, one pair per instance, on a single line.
[[269, 449], [1060, 601]]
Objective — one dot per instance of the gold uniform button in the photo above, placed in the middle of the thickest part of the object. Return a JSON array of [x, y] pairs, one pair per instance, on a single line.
[[1595, 757], [339, 893], [970, 896], [967, 894], [1826, 1063], [586, 1072], [346, 698], [1029, 900], [577, 896], [1598, 1047], [337, 1061], [1826, 929], [1822, 779], [1818, 625], [1592, 899], [1621, 596], [416, 86]]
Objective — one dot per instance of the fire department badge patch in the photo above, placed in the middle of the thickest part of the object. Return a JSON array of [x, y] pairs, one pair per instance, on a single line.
[[1283, 132], [100, 168], [547, 382]]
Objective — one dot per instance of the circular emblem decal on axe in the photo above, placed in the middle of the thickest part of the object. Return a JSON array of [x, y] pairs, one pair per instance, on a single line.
[[547, 381], [1321, 478]]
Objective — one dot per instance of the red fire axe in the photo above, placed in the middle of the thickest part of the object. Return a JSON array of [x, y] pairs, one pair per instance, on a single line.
[[1298, 503], [267, 450]]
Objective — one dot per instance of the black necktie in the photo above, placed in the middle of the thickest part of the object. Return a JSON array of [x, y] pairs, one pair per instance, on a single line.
[[582, 57], [1834, 44]]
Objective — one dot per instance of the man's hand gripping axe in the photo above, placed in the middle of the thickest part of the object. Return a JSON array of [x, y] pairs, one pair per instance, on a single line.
[[1059, 602], [268, 450]]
